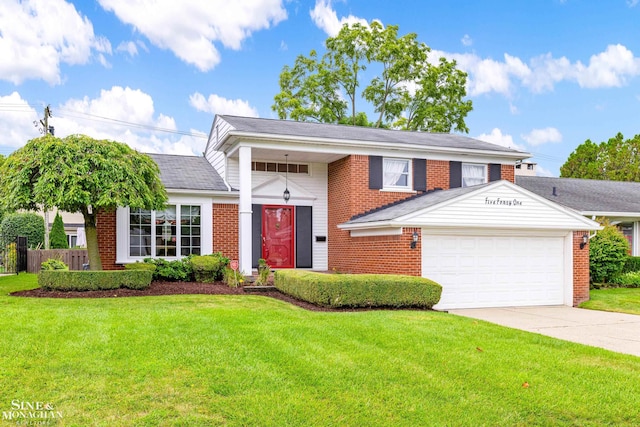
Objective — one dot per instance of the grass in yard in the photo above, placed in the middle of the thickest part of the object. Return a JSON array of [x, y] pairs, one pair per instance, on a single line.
[[205, 360], [622, 300]]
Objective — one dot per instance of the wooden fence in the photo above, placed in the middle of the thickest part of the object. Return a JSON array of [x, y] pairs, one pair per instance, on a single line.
[[74, 258]]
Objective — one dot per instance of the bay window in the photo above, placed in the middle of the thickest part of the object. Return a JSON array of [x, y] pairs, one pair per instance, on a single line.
[[174, 231]]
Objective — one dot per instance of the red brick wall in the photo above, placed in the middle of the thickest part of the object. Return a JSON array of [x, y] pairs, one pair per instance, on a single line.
[[225, 229], [508, 172], [580, 269], [348, 195], [106, 227], [382, 255], [437, 174]]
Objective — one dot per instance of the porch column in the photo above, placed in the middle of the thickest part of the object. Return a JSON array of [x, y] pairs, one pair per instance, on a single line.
[[244, 210]]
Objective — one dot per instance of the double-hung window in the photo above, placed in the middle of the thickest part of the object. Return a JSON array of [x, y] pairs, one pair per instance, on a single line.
[[174, 231], [473, 174], [396, 174]]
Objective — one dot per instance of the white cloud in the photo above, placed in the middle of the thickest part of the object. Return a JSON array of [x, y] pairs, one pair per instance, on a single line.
[[16, 121], [513, 109], [497, 137], [467, 40], [327, 20], [190, 28], [540, 171], [610, 68], [218, 105], [632, 3], [129, 47], [543, 136], [36, 36], [126, 115]]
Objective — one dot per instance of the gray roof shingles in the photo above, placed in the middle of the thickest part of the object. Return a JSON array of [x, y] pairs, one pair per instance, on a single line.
[[358, 133], [188, 173], [586, 195]]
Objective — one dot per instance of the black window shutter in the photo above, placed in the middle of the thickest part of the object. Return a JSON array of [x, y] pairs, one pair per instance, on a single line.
[[304, 237], [420, 174], [375, 172], [495, 172], [256, 235], [455, 174]]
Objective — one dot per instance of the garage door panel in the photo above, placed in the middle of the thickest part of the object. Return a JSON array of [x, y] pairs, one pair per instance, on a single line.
[[490, 271]]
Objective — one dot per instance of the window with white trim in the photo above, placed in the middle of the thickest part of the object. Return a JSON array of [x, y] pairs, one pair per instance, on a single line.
[[473, 174], [396, 173], [174, 231]]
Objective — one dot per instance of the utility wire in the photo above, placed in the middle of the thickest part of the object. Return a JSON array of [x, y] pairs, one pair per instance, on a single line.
[[97, 118], [67, 113]]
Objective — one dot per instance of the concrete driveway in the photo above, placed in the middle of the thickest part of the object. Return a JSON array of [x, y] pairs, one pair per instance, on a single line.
[[612, 331]]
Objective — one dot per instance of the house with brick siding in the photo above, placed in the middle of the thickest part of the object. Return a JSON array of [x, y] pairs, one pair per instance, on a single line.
[[362, 200]]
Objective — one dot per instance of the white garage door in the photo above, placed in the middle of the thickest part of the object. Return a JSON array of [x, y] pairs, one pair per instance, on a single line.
[[487, 271]]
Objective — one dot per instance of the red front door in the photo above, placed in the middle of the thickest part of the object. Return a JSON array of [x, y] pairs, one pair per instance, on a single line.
[[277, 236]]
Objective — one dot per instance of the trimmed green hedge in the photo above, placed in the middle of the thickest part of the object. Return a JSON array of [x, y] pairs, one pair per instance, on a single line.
[[631, 264], [61, 280], [208, 268], [358, 290], [628, 280], [140, 266]]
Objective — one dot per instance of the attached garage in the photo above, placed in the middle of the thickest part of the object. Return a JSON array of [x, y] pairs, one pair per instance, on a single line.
[[491, 245], [496, 271]]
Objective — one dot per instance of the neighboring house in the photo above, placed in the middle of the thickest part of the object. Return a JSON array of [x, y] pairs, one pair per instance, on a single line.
[[363, 200], [617, 201], [526, 169], [73, 226]]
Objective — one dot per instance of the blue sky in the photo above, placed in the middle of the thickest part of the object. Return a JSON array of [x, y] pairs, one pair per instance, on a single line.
[[544, 75]]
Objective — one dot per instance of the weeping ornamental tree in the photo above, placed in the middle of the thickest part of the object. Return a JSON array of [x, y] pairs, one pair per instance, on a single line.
[[80, 174]]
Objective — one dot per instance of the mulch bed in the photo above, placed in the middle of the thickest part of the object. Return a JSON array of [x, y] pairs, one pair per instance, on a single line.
[[174, 288], [188, 288]]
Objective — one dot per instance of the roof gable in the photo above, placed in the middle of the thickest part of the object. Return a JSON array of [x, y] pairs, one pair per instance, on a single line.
[[274, 189], [500, 204]]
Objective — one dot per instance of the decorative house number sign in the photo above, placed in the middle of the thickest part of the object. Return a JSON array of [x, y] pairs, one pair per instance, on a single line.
[[502, 202]]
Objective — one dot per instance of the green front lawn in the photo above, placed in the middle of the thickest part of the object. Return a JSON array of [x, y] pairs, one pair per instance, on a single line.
[[622, 300], [249, 360]]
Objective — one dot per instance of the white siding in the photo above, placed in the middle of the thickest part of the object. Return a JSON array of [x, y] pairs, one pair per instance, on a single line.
[[216, 158], [500, 207]]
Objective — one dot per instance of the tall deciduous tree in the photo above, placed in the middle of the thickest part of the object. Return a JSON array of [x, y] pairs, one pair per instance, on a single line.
[[80, 174], [407, 90], [617, 159]]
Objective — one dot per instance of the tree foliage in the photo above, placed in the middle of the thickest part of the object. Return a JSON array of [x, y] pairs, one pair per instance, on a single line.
[[608, 252], [57, 235], [617, 159], [80, 174], [407, 91], [29, 225]]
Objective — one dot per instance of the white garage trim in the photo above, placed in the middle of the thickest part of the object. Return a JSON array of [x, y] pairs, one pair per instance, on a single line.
[[481, 269]]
